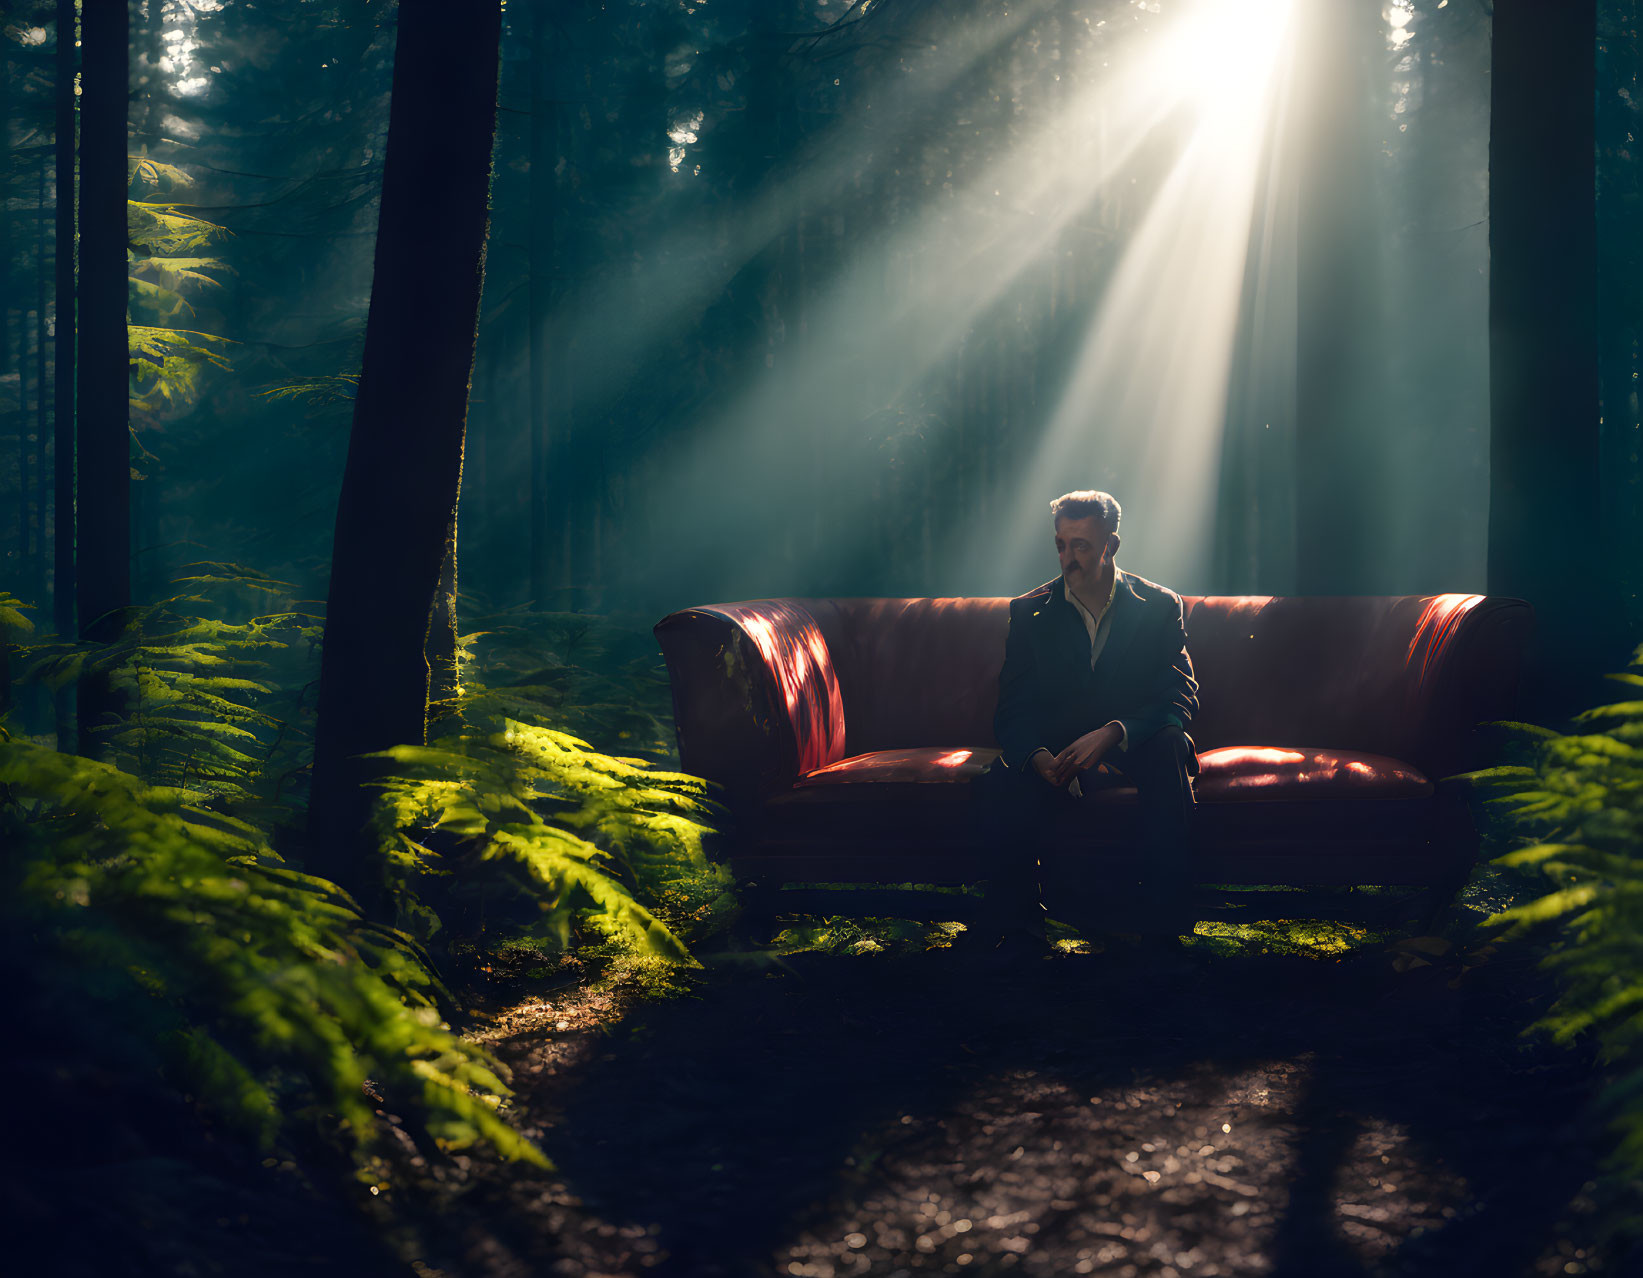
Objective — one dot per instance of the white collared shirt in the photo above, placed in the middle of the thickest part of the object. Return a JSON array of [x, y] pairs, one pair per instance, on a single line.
[[1097, 624]]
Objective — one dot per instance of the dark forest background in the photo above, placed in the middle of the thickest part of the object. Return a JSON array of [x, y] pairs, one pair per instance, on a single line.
[[719, 354]]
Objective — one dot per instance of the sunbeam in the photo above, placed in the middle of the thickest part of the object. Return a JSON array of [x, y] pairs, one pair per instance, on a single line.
[[1143, 414], [623, 315], [1143, 404]]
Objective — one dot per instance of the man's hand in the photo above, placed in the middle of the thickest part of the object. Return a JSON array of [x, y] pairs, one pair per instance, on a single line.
[[1044, 763], [1080, 756]]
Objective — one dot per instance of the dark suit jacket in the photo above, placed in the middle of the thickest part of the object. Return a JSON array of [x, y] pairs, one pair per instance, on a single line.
[[1049, 696]]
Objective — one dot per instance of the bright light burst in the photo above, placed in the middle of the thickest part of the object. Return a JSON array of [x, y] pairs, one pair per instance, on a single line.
[[1222, 52], [1143, 409], [1144, 413]]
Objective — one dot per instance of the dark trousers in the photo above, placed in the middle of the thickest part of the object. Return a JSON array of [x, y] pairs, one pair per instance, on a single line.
[[1020, 810]]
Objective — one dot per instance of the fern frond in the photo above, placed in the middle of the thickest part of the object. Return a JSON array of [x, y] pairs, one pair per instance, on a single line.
[[288, 999]]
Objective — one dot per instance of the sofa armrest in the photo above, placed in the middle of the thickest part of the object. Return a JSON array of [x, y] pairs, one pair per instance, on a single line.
[[1468, 659], [755, 697]]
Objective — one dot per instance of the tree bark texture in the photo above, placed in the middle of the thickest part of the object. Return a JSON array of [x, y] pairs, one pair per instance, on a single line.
[[21, 418], [549, 530], [103, 451], [63, 350], [404, 468], [7, 76], [42, 413], [444, 666], [1544, 529]]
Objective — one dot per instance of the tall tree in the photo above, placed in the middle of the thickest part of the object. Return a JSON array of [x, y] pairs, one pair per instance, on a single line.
[[63, 349], [396, 516], [1544, 529], [42, 413], [546, 549], [8, 158], [103, 584]]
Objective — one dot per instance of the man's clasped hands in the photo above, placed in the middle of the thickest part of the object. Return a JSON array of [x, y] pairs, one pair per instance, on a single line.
[[1082, 755]]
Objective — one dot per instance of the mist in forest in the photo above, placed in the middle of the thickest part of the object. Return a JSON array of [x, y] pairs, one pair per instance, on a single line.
[[812, 297], [878, 308]]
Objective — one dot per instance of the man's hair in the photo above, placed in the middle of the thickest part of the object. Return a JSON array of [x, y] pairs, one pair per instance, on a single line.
[[1083, 504]]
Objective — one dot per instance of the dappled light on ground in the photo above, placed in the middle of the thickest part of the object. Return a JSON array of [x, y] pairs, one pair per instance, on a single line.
[[829, 1114]]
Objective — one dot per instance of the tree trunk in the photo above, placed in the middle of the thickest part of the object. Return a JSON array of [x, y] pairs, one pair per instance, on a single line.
[[397, 508], [7, 78], [63, 423], [1544, 496], [545, 546], [444, 672], [25, 561], [37, 573], [104, 434]]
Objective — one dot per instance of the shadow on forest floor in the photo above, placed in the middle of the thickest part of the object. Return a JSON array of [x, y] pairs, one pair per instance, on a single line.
[[878, 1114]]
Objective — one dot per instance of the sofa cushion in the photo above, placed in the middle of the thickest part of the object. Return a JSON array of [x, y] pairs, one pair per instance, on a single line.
[[1258, 773], [924, 775], [1245, 774], [1232, 774]]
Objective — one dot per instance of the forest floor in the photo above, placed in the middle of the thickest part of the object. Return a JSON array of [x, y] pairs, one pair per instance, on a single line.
[[837, 1111], [863, 1101], [836, 1114]]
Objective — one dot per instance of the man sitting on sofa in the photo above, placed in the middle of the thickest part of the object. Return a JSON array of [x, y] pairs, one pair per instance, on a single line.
[[1095, 671]]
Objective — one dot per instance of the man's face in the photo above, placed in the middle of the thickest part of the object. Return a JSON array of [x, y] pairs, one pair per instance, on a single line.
[[1083, 552]]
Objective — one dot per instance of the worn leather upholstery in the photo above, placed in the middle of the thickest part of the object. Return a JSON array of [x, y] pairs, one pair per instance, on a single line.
[[1231, 774], [767, 690], [807, 709]]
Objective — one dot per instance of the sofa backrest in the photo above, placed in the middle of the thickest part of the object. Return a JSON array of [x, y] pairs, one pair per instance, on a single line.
[[1407, 676]]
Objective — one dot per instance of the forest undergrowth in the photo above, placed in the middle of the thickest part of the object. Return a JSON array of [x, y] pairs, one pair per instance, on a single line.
[[171, 957], [159, 923]]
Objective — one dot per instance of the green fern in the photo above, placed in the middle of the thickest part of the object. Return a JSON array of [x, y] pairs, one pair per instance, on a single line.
[[261, 990], [1577, 807], [155, 906], [569, 829], [164, 259], [166, 362], [202, 712], [160, 228], [142, 171], [316, 392], [597, 677]]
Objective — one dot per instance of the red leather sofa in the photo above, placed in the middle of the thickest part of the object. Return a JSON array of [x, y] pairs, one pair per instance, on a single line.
[[846, 734]]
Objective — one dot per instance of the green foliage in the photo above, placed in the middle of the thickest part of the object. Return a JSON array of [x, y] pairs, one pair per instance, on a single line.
[[316, 392], [145, 171], [202, 712], [148, 885], [260, 990], [597, 677], [1576, 804], [163, 260], [166, 364], [161, 229], [566, 828], [12, 620], [550, 707]]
